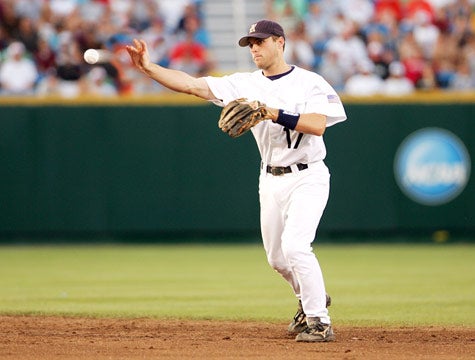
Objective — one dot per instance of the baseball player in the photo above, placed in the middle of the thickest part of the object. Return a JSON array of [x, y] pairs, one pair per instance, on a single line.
[[294, 180]]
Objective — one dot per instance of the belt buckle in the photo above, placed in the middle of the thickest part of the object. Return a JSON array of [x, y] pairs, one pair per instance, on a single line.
[[277, 170]]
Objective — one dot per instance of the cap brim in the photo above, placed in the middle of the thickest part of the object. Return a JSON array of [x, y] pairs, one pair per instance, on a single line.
[[244, 41]]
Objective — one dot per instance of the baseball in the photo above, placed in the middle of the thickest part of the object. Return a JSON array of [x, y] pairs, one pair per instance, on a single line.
[[91, 56]]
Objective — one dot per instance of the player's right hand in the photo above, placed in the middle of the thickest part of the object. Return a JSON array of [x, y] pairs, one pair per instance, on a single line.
[[139, 54]]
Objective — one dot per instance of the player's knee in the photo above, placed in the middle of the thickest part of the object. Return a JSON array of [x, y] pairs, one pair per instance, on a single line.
[[280, 266], [294, 254]]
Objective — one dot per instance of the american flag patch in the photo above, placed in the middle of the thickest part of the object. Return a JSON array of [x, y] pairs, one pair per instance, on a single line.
[[333, 99]]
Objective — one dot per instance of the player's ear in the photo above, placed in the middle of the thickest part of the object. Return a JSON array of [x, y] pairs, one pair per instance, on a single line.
[[281, 41]]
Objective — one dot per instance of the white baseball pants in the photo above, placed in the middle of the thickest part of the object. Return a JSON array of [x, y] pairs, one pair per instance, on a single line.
[[291, 208]]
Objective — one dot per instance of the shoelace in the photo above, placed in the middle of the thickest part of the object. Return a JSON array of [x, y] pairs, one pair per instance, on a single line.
[[299, 316], [318, 326]]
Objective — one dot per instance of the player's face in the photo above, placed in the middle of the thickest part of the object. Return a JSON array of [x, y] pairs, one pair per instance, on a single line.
[[265, 52]]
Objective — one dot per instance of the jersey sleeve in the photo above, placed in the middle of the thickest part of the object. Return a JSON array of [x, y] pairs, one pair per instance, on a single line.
[[324, 100], [224, 88]]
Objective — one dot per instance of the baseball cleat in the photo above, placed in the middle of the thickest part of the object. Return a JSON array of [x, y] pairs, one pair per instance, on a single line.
[[299, 322], [316, 332]]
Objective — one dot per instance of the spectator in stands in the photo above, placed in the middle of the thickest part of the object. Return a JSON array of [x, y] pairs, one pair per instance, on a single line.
[[86, 36], [365, 82], [397, 84], [360, 12], [29, 8], [380, 56], [189, 56], [414, 8], [461, 25], [45, 58], [337, 24], [63, 8], [444, 72], [391, 31], [446, 48], [48, 85], [118, 12], [8, 17], [125, 79], [427, 80], [49, 29], [378, 25], [438, 4], [278, 8], [98, 84], [316, 23], [191, 24], [463, 79], [142, 14], [350, 47], [425, 33], [330, 8], [441, 19], [69, 70], [288, 12], [412, 58], [468, 53], [159, 42], [172, 11], [4, 39], [446, 55], [18, 73], [388, 8], [298, 50], [330, 68], [27, 33], [93, 11]]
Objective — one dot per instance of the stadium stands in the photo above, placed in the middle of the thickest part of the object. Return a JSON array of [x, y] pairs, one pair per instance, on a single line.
[[430, 42]]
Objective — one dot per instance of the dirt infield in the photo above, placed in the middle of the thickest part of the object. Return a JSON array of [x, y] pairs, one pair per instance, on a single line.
[[27, 338]]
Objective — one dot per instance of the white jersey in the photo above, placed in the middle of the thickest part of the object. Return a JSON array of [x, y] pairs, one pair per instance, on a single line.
[[299, 91]]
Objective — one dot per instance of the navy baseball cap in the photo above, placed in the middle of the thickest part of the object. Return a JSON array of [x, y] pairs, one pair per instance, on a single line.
[[262, 30]]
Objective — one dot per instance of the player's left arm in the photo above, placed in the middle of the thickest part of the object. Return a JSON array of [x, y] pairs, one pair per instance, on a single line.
[[310, 123], [323, 109]]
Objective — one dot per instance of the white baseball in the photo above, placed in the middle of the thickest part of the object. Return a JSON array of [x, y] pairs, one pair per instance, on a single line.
[[91, 56]]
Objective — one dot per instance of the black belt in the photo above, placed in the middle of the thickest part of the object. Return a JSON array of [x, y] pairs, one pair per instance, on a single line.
[[281, 170]]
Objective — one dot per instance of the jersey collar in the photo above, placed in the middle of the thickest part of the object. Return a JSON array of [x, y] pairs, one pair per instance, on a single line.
[[278, 76]]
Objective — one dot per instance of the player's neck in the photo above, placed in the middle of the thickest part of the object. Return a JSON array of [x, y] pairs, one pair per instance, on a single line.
[[277, 69]]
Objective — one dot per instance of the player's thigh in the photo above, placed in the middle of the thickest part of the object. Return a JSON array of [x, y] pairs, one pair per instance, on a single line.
[[271, 218], [306, 206]]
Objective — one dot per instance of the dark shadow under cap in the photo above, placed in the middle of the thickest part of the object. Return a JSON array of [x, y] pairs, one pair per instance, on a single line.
[[262, 30]]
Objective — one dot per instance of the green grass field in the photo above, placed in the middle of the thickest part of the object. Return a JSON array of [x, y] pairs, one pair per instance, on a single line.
[[397, 284]]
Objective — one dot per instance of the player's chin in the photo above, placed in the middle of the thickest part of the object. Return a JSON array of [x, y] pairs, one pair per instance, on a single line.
[[258, 62]]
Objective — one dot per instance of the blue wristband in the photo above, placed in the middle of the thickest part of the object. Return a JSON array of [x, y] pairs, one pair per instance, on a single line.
[[287, 119]]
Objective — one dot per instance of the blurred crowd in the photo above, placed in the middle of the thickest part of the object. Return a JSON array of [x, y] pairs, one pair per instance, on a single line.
[[362, 47], [392, 47], [42, 43]]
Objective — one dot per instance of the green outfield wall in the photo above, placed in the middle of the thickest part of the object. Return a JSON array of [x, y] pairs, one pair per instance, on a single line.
[[132, 168]]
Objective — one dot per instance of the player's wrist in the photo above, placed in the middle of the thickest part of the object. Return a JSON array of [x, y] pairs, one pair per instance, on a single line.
[[287, 119], [146, 67], [272, 113]]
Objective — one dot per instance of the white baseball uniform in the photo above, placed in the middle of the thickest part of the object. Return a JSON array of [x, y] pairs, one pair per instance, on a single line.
[[292, 201]]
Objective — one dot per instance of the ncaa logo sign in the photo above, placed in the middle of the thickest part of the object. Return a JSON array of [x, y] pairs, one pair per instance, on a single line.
[[432, 166]]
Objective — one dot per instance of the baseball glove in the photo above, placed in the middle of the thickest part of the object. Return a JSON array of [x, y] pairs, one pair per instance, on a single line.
[[240, 115]]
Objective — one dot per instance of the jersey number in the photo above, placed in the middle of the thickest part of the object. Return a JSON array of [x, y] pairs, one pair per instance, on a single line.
[[289, 142]]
